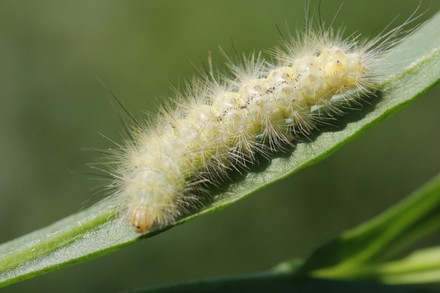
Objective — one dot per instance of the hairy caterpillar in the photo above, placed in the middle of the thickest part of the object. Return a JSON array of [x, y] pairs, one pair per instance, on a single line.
[[221, 124]]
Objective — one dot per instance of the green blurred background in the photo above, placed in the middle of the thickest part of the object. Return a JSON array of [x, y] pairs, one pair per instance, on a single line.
[[52, 108]]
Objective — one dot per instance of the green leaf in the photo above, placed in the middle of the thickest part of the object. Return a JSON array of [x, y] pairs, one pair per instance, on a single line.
[[352, 255], [421, 266], [97, 231]]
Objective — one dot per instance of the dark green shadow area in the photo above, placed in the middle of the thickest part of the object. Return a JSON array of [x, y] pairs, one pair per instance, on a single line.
[[281, 283]]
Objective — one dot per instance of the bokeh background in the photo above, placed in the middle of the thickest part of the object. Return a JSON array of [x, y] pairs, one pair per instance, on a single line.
[[53, 108]]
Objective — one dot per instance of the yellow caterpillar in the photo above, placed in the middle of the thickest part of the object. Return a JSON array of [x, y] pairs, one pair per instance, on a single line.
[[221, 124]]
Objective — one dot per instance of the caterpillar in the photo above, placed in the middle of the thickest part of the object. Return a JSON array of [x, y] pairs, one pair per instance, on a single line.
[[221, 124]]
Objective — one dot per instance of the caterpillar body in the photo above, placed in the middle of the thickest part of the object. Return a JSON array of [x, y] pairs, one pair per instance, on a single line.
[[221, 124]]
